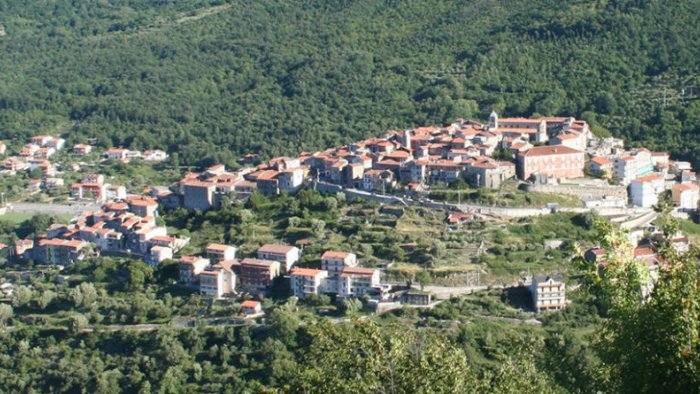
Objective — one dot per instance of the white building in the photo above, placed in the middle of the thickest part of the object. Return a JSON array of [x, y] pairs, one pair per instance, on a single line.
[[190, 267], [116, 153], [632, 165], [572, 140], [305, 281], [154, 155], [291, 180], [356, 281], [285, 254], [685, 196], [218, 279], [335, 262], [158, 254], [644, 191], [219, 252], [548, 292]]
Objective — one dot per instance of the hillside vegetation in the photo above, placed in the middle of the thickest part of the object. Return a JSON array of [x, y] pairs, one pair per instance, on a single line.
[[213, 79]]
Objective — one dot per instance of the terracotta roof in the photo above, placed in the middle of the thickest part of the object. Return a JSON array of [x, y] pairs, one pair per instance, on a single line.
[[190, 259], [228, 264], [681, 187], [549, 150], [601, 161], [258, 263], [250, 304], [163, 238], [331, 254], [305, 272], [519, 120], [275, 249], [267, 175], [143, 202], [643, 251], [219, 247], [567, 136], [648, 178], [350, 271]]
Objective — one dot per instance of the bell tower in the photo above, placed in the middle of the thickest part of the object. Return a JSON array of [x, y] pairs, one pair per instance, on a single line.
[[493, 120]]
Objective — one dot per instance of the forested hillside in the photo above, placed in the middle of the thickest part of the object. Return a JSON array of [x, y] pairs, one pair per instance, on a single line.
[[213, 79]]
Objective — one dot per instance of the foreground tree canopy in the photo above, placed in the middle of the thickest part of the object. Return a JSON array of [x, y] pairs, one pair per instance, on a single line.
[[213, 79]]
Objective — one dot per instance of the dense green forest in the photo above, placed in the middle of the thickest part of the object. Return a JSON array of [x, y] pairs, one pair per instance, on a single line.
[[213, 79]]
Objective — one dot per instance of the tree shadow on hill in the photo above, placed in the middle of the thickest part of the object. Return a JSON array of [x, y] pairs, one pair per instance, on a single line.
[[518, 297]]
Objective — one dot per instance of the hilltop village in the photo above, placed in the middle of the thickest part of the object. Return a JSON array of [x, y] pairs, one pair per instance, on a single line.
[[558, 154]]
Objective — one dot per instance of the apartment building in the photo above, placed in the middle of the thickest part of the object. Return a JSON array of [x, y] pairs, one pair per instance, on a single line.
[[257, 273], [632, 165], [685, 196], [548, 292], [357, 282], [286, 255], [551, 161], [335, 262], [190, 267], [218, 252], [644, 191], [306, 281], [218, 280]]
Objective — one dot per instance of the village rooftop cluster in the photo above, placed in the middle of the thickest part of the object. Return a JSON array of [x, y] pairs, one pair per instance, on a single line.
[[38, 155], [538, 151], [542, 151]]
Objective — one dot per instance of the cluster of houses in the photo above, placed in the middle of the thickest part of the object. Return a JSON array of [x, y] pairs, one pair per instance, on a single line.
[[548, 292], [218, 272], [417, 158], [541, 151], [122, 227], [40, 150], [648, 174]]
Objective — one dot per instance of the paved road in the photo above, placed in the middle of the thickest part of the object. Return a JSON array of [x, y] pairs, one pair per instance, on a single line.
[[52, 209]]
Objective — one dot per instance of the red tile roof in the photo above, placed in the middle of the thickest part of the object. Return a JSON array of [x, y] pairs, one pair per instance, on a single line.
[[305, 272], [218, 247], [648, 178], [681, 187], [250, 304], [331, 254], [601, 161], [351, 271], [549, 150], [275, 249]]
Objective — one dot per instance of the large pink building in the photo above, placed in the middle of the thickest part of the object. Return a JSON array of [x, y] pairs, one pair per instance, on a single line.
[[553, 161]]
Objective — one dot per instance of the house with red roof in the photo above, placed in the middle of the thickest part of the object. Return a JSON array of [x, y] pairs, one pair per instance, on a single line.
[[219, 252], [644, 191], [257, 273], [307, 281], [356, 281], [381, 180], [251, 307], [601, 166], [190, 267], [550, 161], [685, 196], [286, 255], [572, 140], [59, 251]]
